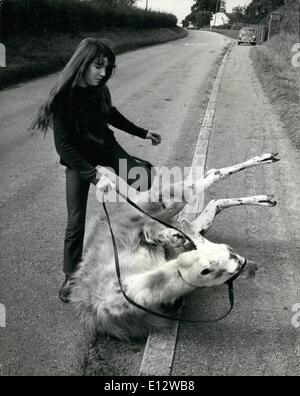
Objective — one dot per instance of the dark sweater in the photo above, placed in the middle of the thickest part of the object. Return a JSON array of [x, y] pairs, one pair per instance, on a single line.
[[81, 132]]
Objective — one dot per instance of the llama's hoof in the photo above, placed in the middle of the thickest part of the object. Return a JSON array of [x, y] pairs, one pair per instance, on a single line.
[[268, 201], [270, 158], [65, 291]]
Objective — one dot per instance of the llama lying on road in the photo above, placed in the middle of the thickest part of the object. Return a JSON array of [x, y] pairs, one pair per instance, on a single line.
[[157, 265]]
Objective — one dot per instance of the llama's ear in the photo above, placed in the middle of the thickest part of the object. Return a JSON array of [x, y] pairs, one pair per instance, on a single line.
[[146, 236], [187, 226]]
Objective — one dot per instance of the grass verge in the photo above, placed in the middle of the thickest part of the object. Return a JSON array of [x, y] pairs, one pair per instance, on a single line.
[[31, 57], [281, 80]]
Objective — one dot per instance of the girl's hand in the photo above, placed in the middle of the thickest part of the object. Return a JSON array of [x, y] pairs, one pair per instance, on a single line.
[[154, 137], [103, 187]]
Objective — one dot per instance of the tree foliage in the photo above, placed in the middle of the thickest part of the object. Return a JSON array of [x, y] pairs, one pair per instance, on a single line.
[[207, 5], [253, 13], [202, 12], [33, 17], [259, 9], [238, 14]]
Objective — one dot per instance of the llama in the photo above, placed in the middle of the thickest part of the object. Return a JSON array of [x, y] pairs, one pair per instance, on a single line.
[[158, 264]]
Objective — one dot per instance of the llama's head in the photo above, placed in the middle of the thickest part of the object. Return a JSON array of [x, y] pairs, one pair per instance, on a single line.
[[211, 264]]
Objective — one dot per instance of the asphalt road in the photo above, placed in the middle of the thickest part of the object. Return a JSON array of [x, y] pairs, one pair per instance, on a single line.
[[258, 339], [165, 88]]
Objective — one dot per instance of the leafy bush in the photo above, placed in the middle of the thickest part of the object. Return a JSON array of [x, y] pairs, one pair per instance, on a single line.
[[36, 17]]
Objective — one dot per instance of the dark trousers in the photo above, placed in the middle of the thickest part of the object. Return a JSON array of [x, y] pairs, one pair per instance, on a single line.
[[77, 190]]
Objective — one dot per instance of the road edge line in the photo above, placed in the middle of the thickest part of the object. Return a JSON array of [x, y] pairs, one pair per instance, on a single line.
[[160, 346]]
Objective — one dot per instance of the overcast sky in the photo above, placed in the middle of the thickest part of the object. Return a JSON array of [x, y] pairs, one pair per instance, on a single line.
[[181, 8]]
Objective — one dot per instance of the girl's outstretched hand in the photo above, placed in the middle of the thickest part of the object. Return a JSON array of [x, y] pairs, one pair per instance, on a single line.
[[154, 137]]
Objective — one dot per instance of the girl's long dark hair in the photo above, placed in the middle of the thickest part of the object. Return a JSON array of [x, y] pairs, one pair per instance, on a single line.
[[88, 50]]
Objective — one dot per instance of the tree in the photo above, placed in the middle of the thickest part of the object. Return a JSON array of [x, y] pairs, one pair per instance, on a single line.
[[202, 11], [185, 23], [202, 19], [209, 5], [223, 4], [205, 5], [238, 14], [259, 9]]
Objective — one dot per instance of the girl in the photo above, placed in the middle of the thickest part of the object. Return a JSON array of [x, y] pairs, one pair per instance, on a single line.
[[79, 108]]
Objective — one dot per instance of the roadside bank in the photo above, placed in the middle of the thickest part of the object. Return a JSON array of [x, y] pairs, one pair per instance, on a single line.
[[277, 64]]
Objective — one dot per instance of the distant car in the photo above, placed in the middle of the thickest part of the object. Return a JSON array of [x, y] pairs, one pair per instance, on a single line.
[[247, 36]]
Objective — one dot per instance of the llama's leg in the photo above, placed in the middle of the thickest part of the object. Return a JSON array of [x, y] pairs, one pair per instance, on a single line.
[[178, 195], [207, 217], [190, 190], [193, 188], [182, 193], [175, 197]]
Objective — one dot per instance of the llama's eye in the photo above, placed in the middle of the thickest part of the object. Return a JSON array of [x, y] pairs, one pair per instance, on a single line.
[[206, 271]]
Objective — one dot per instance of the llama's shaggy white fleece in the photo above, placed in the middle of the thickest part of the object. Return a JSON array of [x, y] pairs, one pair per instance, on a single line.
[[158, 265]]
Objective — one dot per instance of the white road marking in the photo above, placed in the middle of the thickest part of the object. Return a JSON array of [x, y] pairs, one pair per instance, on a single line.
[[195, 45], [160, 348]]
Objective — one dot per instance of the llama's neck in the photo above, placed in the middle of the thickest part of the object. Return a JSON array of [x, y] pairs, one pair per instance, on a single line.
[[158, 286]]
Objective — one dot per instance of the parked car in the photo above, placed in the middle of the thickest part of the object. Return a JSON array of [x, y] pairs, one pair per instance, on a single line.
[[247, 36]]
